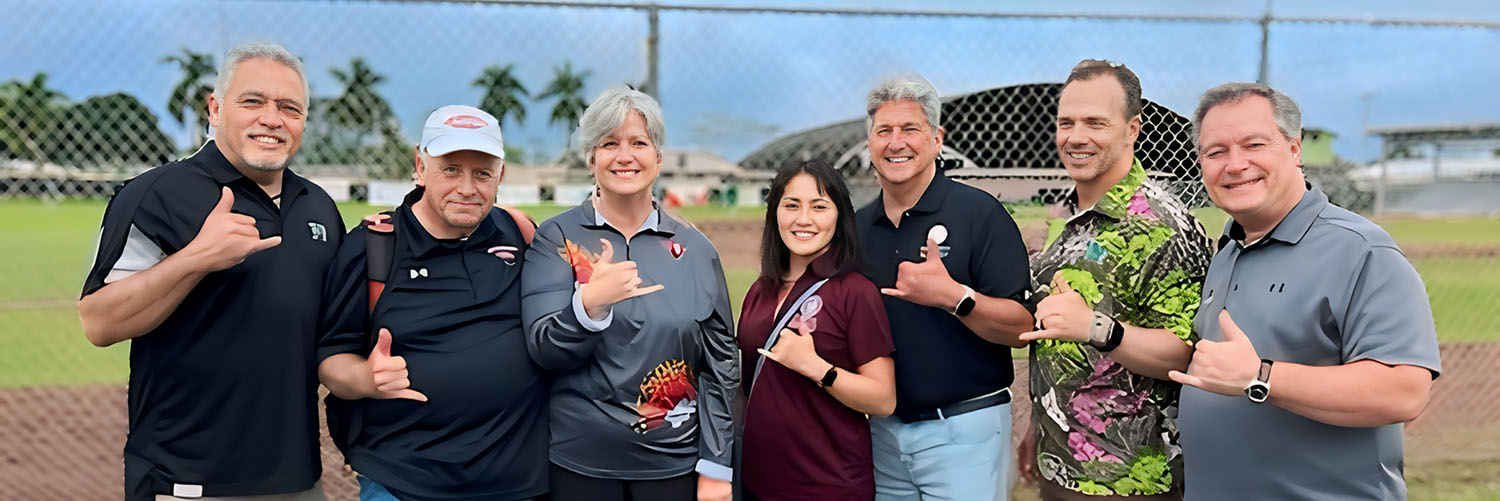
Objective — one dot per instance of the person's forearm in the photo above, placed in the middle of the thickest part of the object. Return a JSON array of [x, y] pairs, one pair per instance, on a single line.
[[1363, 393], [865, 393], [134, 305], [1152, 352], [998, 320], [347, 376]]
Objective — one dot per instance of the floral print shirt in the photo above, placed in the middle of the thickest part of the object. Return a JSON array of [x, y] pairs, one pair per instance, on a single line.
[[1139, 256]]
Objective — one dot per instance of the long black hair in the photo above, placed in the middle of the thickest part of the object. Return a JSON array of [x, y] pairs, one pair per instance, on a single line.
[[774, 254]]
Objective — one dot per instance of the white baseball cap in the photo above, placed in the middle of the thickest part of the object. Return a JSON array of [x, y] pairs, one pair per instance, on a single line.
[[458, 127]]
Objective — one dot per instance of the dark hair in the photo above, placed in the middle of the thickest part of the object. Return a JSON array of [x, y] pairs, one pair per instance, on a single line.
[[1089, 69], [774, 254]]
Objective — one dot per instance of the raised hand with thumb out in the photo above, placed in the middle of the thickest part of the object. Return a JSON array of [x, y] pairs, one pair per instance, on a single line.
[[611, 282], [1225, 367], [389, 372], [226, 238]]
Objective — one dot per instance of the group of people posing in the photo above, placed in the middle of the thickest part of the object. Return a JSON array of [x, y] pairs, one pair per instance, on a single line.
[[470, 353]]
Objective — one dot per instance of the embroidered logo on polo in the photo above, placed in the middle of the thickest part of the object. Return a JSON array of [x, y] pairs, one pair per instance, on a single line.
[[667, 397], [319, 232], [506, 253], [675, 248], [418, 272]]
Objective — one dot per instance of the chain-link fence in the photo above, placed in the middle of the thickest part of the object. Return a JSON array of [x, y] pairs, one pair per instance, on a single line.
[[87, 100]]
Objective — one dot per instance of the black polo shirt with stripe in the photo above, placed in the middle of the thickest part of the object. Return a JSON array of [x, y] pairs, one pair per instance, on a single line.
[[223, 393], [453, 308], [939, 361]]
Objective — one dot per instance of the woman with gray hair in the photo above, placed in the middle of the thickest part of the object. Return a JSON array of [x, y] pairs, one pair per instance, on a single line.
[[627, 305]]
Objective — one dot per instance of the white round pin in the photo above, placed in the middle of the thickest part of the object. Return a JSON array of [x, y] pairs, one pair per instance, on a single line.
[[938, 233]]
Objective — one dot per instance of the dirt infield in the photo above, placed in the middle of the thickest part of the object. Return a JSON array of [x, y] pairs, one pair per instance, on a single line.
[[64, 442]]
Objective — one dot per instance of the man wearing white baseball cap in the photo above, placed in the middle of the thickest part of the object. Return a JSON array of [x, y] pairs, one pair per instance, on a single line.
[[422, 348]]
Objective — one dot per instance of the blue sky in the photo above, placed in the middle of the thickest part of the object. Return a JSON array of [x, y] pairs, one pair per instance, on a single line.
[[730, 82]]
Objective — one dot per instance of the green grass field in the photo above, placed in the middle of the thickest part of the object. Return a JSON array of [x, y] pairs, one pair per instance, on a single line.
[[47, 249]]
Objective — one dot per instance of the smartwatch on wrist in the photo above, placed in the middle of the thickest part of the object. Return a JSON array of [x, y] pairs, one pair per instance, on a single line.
[[828, 377], [966, 304], [1106, 333], [1260, 388]]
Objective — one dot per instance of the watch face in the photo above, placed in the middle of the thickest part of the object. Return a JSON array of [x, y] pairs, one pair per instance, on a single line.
[[1258, 392]]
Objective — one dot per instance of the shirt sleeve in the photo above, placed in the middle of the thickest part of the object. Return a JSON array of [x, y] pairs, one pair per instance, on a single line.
[[555, 338], [344, 324], [718, 382], [1389, 318], [1172, 281], [999, 266], [869, 331], [139, 220]]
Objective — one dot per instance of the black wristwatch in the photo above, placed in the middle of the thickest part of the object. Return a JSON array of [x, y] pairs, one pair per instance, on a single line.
[[1260, 388], [828, 377], [966, 304]]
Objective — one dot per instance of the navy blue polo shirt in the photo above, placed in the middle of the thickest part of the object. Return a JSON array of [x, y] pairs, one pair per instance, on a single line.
[[453, 308], [939, 361], [223, 393]]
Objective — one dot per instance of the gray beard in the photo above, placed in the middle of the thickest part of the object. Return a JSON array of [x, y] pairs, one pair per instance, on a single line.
[[269, 167]]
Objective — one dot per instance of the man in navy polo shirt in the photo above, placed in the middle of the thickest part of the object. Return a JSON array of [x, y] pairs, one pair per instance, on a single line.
[[446, 402], [954, 273], [212, 267]]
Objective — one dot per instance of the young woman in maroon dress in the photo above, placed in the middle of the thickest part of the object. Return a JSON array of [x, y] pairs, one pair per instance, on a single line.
[[806, 435]]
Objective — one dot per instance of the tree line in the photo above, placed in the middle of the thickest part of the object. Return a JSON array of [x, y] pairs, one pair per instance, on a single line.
[[356, 126]]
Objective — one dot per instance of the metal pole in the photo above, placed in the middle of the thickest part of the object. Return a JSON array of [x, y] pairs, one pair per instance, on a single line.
[[653, 35], [1385, 154], [1265, 43]]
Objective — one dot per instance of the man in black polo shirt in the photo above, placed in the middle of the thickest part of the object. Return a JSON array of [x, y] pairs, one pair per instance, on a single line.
[[446, 403], [951, 263], [213, 266]]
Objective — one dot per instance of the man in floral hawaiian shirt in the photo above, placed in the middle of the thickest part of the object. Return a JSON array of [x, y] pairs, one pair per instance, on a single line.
[[1125, 261]]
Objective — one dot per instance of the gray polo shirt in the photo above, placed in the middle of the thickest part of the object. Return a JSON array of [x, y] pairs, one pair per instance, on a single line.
[[1325, 287]]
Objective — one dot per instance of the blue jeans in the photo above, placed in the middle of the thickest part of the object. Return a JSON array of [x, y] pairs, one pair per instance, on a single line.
[[371, 491], [965, 457]]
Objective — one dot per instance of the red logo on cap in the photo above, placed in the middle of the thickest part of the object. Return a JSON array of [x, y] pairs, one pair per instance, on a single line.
[[465, 122]]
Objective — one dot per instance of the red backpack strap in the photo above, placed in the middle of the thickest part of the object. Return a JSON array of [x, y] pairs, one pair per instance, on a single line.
[[523, 221], [380, 253]]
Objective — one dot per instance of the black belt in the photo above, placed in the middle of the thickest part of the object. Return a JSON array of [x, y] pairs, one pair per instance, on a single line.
[[964, 407]]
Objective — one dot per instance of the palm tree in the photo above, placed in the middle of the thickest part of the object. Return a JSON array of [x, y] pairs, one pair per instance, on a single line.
[[502, 92], [567, 87], [359, 107], [190, 94], [27, 110]]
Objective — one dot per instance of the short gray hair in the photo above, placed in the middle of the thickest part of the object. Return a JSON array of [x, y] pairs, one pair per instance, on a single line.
[[257, 50], [1284, 110], [910, 87], [609, 111]]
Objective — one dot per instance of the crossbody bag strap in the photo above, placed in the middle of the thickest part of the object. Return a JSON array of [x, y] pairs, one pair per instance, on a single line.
[[781, 324]]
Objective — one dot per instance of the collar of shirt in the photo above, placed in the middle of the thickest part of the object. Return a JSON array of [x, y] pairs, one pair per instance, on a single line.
[[931, 201], [420, 242], [655, 221], [1116, 200], [1290, 229], [224, 173]]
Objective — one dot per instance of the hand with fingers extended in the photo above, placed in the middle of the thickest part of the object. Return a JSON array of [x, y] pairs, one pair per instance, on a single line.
[[389, 373], [795, 351], [1225, 367], [1062, 315], [927, 282], [611, 282], [226, 238]]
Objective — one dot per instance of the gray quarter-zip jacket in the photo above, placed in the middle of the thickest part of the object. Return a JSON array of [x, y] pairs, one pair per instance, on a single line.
[[649, 395]]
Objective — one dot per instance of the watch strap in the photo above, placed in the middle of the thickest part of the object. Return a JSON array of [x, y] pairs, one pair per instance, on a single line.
[[828, 377]]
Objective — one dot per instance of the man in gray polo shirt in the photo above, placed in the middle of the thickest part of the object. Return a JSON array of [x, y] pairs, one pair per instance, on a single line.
[[1317, 336]]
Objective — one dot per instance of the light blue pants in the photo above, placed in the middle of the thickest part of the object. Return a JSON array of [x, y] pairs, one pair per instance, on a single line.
[[371, 491], [962, 458]]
